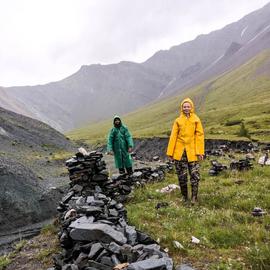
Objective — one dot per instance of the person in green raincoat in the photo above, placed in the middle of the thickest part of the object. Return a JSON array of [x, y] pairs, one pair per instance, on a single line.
[[120, 144]]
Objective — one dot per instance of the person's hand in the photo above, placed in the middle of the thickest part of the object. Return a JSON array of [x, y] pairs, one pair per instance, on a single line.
[[200, 157], [130, 149], [170, 158]]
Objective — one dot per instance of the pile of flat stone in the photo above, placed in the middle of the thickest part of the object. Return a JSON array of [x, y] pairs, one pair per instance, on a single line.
[[216, 168], [241, 165], [94, 230], [87, 172], [218, 151]]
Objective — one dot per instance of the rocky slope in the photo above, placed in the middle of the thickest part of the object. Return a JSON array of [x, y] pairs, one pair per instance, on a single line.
[[29, 173]]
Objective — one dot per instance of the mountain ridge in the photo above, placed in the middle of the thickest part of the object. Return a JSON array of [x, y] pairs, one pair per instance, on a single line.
[[96, 92], [223, 103]]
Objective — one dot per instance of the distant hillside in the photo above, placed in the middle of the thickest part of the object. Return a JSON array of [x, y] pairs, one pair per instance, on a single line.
[[29, 170], [242, 95], [97, 92]]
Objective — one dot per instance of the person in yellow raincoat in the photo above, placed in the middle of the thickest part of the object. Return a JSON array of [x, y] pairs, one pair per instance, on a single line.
[[186, 147]]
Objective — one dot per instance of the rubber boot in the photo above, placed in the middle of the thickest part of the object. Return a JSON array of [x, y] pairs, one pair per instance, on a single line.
[[184, 192], [121, 170], [194, 192], [129, 171]]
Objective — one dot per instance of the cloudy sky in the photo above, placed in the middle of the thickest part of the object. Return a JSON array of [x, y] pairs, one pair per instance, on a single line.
[[48, 40]]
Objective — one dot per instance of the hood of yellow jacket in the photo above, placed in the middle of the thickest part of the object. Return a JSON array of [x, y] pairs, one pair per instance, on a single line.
[[190, 102]]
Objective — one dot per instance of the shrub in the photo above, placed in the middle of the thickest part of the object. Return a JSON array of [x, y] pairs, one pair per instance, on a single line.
[[243, 132], [233, 122], [4, 262]]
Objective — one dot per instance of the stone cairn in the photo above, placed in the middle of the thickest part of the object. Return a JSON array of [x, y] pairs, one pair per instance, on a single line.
[[95, 234], [236, 165]]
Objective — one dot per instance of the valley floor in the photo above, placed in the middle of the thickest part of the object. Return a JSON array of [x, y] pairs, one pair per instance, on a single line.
[[230, 237]]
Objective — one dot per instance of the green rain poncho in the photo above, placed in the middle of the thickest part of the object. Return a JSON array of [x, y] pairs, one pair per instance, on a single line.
[[119, 140]]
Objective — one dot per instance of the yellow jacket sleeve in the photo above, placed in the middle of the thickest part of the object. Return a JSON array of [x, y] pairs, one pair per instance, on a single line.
[[199, 139], [173, 138]]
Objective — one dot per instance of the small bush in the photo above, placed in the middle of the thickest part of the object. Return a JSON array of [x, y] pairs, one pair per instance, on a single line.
[[49, 229], [233, 122], [243, 132], [4, 262]]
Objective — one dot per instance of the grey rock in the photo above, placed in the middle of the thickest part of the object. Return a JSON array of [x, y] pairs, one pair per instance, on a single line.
[[113, 213], [99, 266], [70, 267], [137, 174], [129, 254], [90, 199], [80, 201], [101, 255], [115, 260], [82, 220], [100, 177], [131, 235], [155, 175], [77, 188], [90, 210], [91, 232], [68, 197], [152, 264], [82, 260], [114, 248], [107, 261], [95, 250]]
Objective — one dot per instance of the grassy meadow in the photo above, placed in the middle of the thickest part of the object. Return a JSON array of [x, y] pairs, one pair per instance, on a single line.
[[223, 104], [230, 237]]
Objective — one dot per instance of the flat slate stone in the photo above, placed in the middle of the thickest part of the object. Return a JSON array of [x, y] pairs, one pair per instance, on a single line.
[[131, 234], [152, 264], [114, 248], [99, 266], [82, 220], [95, 250], [70, 267], [68, 197], [92, 232]]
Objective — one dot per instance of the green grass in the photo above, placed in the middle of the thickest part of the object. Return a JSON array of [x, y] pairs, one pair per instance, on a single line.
[[241, 95], [4, 262], [231, 238]]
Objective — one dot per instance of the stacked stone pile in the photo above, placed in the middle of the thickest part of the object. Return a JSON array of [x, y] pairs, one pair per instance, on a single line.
[[94, 230], [216, 168], [241, 165]]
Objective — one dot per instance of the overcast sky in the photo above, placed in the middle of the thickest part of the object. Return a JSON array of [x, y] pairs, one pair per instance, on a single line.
[[48, 40]]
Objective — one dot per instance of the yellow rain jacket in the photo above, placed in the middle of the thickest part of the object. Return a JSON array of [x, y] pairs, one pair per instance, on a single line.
[[187, 134]]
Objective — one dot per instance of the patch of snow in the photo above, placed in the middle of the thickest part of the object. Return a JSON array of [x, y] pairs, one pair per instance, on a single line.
[[3, 132], [243, 31], [164, 90], [214, 62], [266, 28]]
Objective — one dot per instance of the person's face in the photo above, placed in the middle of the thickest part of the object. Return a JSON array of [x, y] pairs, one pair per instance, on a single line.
[[186, 108], [117, 122]]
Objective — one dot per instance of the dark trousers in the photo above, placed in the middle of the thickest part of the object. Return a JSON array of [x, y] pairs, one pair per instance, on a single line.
[[183, 167]]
